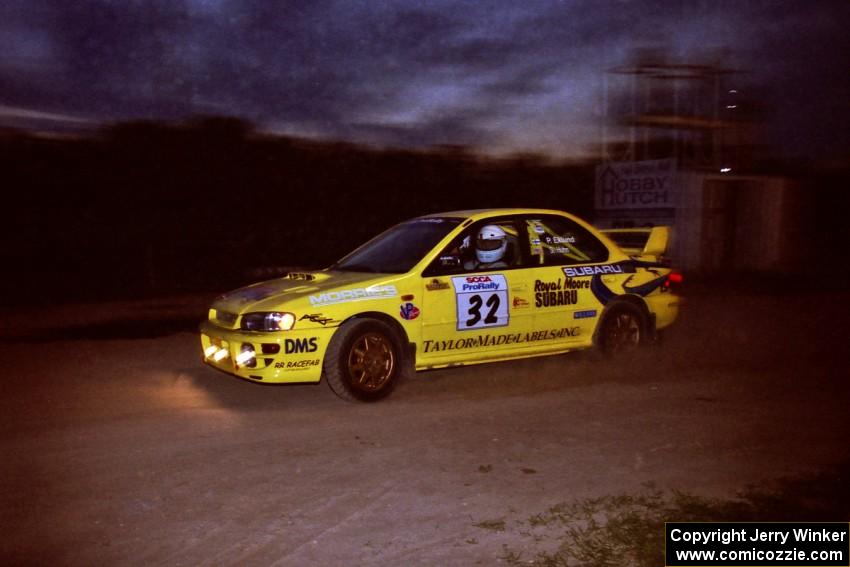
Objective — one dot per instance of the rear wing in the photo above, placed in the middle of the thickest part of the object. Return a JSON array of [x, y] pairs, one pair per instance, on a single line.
[[647, 243]]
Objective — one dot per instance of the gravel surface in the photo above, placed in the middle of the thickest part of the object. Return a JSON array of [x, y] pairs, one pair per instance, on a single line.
[[119, 448]]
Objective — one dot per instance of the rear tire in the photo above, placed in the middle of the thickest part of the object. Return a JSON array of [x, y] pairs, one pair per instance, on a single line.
[[622, 330], [364, 360]]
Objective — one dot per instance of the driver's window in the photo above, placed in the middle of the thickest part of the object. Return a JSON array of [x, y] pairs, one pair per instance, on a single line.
[[484, 246]]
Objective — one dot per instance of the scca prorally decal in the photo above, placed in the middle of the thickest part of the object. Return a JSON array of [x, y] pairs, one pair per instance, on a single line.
[[471, 284], [500, 340], [580, 271], [482, 301], [359, 294]]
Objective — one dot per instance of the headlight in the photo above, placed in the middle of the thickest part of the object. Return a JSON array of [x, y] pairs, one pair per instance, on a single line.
[[267, 321]]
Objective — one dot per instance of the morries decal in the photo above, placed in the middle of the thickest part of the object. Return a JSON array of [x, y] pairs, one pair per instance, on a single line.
[[359, 294]]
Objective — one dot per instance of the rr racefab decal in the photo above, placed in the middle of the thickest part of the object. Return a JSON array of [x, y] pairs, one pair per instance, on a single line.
[[482, 301], [298, 364]]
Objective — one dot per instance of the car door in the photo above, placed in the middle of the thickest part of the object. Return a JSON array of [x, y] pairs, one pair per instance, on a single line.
[[563, 302], [476, 313]]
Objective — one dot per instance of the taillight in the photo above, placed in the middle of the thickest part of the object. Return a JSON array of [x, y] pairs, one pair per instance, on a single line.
[[673, 281]]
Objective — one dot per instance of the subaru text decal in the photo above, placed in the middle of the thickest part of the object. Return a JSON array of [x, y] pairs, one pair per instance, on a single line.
[[579, 271]]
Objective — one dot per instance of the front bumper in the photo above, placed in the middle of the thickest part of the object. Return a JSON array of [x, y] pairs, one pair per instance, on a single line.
[[278, 357]]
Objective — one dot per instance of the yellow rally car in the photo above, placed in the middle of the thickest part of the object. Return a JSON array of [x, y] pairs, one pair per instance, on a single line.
[[441, 290]]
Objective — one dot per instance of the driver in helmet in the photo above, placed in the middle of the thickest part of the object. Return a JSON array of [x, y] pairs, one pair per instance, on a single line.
[[490, 249]]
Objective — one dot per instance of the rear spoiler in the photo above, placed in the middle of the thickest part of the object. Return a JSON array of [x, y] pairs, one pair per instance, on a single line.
[[647, 243]]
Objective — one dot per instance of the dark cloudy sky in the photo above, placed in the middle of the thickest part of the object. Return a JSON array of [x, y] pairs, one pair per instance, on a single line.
[[504, 76]]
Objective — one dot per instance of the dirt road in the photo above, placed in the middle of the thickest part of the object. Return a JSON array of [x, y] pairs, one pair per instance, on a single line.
[[119, 448]]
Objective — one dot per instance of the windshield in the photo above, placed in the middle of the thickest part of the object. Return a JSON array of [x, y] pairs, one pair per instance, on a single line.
[[398, 249]]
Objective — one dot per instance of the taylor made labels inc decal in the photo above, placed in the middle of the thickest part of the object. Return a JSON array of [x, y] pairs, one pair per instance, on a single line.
[[357, 294], [482, 301]]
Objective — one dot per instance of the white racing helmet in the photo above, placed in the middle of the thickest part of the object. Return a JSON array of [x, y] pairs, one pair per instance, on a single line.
[[491, 244]]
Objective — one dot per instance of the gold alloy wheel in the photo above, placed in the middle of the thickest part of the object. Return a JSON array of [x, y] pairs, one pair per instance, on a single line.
[[623, 333], [371, 362]]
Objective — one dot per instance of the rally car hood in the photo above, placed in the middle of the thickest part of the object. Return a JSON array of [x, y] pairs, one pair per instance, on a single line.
[[295, 287]]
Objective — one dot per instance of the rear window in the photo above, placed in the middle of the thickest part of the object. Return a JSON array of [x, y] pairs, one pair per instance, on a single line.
[[559, 241]]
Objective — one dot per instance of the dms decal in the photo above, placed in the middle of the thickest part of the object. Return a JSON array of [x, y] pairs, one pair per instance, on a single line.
[[360, 294], [580, 271], [295, 346], [519, 303], [409, 312]]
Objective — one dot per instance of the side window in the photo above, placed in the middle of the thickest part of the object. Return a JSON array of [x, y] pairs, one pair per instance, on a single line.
[[558, 241], [486, 245]]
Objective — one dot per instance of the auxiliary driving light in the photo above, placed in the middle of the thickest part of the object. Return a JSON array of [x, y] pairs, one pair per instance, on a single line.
[[245, 357], [220, 355], [210, 350]]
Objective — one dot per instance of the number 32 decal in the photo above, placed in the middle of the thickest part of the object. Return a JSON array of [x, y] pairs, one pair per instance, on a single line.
[[482, 301], [474, 311]]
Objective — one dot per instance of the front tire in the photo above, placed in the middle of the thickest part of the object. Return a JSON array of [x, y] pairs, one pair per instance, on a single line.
[[363, 360], [622, 330]]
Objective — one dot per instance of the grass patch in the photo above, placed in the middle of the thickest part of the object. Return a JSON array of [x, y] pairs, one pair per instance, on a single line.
[[628, 529]]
